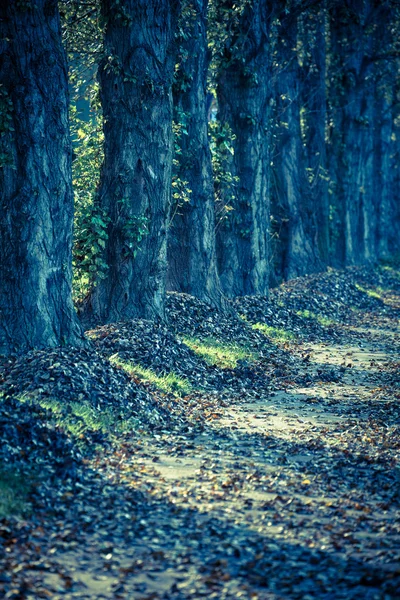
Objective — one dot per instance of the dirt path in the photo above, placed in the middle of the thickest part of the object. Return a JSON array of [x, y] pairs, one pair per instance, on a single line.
[[294, 495], [291, 492]]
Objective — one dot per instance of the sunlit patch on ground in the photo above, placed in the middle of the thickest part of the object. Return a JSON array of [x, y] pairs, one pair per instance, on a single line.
[[276, 488]]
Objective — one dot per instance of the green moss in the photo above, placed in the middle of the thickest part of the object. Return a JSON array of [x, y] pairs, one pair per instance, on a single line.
[[170, 383], [274, 333], [14, 492], [307, 314], [219, 354]]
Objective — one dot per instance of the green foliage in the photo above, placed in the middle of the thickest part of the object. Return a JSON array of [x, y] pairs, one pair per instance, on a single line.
[[90, 232], [83, 40], [90, 240], [82, 37], [226, 38], [169, 383], [134, 230], [181, 192], [188, 16], [223, 355], [222, 152]]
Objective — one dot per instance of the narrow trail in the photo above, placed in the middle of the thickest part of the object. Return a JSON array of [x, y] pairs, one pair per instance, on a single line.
[[293, 493], [269, 501]]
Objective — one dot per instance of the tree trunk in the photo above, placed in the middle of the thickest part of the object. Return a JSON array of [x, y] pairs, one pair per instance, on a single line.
[[191, 246], [315, 119], [383, 167], [384, 77], [243, 101], [300, 253], [354, 136], [334, 146], [394, 210], [135, 79], [36, 199]]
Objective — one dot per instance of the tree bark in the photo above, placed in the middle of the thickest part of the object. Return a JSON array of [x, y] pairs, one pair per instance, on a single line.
[[354, 137], [292, 195], [383, 167], [314, 98], [191, 246], [243, 103], [36, 200], [394, 209], [135, 80]]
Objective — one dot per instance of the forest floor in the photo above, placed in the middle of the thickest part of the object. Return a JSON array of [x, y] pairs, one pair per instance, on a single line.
[[252, 455]]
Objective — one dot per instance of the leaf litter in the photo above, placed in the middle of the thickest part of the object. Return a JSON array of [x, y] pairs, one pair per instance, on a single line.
[[276, 479]]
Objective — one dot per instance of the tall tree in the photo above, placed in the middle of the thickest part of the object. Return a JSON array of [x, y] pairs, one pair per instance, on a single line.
[[292, 196], [386, 46], [383, 166], [353, 28], [36, 200], [314, 105], [135, 79], [243, 91], [191, 247], [392, 233]]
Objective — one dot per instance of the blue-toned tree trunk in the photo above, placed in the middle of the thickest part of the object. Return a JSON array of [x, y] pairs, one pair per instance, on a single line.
[[135, 188], [36, 200], [243, 93], [192, 264]]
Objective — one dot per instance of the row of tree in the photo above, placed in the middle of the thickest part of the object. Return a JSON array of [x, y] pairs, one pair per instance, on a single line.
[[275, 123]]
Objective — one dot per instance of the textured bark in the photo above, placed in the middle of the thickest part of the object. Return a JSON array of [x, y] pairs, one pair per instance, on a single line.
[[313, 86], [393, 231], [300, 253], [334, 147], [384, 77], [243, 101], [354, 138], [135, 80], [36, 200], [383, 167], [191, 247]]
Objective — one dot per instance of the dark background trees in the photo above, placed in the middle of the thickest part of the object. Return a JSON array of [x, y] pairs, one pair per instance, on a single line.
[[192, 262], [243, 95], [287, 140]]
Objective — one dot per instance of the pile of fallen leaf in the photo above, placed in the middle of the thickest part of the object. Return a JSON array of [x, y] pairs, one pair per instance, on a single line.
[[317, 306], [29, 441], [77, 375], [155, 346], [306, 512]]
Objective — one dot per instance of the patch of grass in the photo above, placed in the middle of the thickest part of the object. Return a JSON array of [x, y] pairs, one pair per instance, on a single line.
[[76, 418], [390, 269], [275, 333], [170, 383], [376, 293], [14, 492], [223, 355], [324, 321]]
